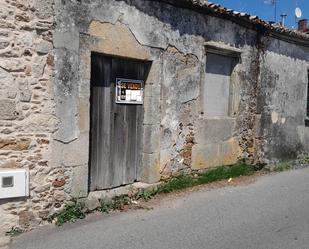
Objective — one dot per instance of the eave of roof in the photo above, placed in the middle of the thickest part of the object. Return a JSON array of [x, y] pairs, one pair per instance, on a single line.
[[243, 19]]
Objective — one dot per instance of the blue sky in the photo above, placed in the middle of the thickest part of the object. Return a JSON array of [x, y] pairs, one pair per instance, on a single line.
[[266, 11]]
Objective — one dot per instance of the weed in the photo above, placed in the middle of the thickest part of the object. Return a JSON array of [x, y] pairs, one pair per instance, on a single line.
[[180, 182], [106, 206], [304, 159], [283, 166], [119, 202], [15, 231], [226, 172], [70, 213], [300, 162], [220, 173], [146, 194]]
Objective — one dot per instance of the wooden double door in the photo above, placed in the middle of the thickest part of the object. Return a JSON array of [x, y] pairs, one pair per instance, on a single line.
[[116, 129]]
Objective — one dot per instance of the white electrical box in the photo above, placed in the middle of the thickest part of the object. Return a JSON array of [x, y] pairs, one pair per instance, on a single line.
[[14, 183]]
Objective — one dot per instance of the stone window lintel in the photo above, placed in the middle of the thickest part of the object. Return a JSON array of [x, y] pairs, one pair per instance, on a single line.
[[222, 49]]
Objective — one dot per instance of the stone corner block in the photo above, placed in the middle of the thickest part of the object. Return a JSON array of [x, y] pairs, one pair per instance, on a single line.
[[152, 110], [80, 181], [76, 152], [205, 156], [155, 73], [68, 40], [83, 114], [215, 154], [151, 138], [214, 130], [151, 168]]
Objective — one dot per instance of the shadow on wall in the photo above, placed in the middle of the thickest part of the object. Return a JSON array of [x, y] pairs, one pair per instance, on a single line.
[[283, 142], [187, 21]]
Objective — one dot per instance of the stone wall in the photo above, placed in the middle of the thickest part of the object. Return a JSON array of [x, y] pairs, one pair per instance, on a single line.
[[282, 101], [45, 49], [27, 119]]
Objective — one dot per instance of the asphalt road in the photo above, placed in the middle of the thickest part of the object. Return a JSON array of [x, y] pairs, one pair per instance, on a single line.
[[270, 213]]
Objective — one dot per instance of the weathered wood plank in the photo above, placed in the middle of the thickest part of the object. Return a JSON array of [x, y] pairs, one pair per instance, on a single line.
[[105, 126]]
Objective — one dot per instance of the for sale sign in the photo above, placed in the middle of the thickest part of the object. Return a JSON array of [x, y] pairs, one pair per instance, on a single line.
[[129, 91]]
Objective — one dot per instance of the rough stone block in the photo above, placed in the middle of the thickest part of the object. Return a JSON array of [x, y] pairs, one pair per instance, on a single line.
[[84, 89], [25, 219], [59, 196], [152, 90], [205, 156], [152, 111], [28, 70], [69, 40], [66, 109], [165, 156], [12, 65], [11, 94], [258, 126], [214, 130], [84, 114], [155, 74], [215, 154], [15, 144], [44, 9], [92, 203], [38, 69], [43, 188], [80, 181], [151, 168], [4, 44], [7, 109], [76, 152], [27, 39], [71, 154], [4, 74], [56, 154], [117, 40], [40, 123], [188, 88], [50, 60], [85, 62], [59, 182], [151, 138], [10, 164], [43, 47], [169, 135], [110, 193], [25, 96], [25, 93], [230, 152]]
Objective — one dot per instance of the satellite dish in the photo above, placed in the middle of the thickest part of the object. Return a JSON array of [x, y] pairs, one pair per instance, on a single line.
[[298, 12]]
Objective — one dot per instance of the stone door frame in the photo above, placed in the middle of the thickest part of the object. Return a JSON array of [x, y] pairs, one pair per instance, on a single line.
[[150, 166]]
